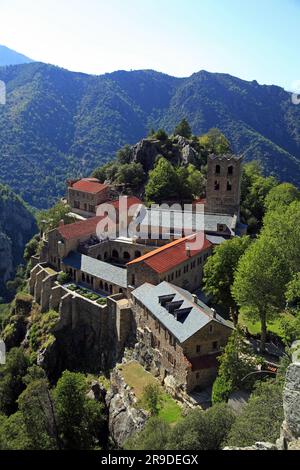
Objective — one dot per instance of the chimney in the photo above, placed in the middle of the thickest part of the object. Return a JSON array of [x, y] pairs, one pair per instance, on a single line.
[[214, 313], [195, 299], [188, 251]]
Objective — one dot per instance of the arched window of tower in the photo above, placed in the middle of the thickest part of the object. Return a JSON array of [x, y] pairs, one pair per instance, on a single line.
[[230, 170], [229, 186], [218, 169], [217, 185]]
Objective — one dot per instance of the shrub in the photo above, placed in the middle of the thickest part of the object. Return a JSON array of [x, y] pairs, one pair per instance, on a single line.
[[63, 278]]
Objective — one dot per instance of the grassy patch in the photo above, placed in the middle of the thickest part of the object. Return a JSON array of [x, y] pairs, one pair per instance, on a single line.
[[138, 378], [255, 327]]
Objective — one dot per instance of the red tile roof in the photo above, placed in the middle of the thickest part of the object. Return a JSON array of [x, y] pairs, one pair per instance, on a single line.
[[171, 255], [131, 200], [80, 229], [204, 362], [89, 186]]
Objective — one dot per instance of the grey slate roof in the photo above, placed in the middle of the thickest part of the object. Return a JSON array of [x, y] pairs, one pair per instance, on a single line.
[[189, 220], [105, 271], [198, 317]]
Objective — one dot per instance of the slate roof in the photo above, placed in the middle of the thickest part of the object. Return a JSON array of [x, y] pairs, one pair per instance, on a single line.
[[171, 255], [188, 220], [105, 271], [198, 317]]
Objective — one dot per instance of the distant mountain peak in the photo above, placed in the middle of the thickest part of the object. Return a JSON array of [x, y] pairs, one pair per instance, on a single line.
[[11, 57]]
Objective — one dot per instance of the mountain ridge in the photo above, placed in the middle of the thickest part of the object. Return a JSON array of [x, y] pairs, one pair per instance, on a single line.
[[59, 124], [10, 57]]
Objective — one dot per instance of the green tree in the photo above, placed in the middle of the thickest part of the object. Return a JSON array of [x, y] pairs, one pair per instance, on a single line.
[[262, 417], [80, 419], [219, 273], [49, 219], [215, 142], [183, 129], [184, 192], [236, 363], [202, 430], [124, 155], [152, 398], [154, 436], [260, 280], [196, 181], [103, 171], [11, 379], [162, 183], [37, 407], [254, 190], [13, 433], [161, 135], [131, 174], [31, 248], [281, 196]]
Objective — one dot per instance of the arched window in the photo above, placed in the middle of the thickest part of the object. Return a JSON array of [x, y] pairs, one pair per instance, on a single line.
[[120, 291], [218, 169], [106, 287], [115, 254], [126, 255], [137, 254], [110, 289], [101, 285], [229, 186], [83, 277], [217, 185], [105, 255], [230, 170]]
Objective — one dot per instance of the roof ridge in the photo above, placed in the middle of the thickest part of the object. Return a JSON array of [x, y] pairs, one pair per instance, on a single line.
[[157, 250]]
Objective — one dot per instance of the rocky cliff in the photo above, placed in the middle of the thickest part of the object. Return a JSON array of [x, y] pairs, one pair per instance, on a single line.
[[125, 418], [177, 149], [17, 226], [290, 431]]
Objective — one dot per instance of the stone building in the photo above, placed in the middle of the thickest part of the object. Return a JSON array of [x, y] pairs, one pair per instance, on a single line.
[[178, 262], [177, 336], [223, 189], [146, 278], [83, 196]]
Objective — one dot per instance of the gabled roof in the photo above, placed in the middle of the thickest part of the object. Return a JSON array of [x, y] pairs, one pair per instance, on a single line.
[[89, 186], [80, 229], [171, 255], [196, 318], [130, 201], [99, 269]]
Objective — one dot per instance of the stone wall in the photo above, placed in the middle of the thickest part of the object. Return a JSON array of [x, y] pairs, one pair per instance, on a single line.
[[221, 171], [187, 275]]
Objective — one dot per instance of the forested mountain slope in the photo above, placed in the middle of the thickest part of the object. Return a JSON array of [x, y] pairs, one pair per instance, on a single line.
[[58, 123]]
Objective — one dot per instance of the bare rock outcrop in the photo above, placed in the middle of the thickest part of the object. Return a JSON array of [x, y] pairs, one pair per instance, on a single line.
[[125, 419]]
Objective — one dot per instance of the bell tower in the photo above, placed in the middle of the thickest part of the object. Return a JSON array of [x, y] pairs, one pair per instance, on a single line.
[[223, 190]]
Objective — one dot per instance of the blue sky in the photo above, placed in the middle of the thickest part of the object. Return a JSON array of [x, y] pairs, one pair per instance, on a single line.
[[252, 39]]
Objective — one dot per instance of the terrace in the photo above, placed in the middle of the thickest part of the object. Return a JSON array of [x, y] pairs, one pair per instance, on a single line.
[[82, 291]]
